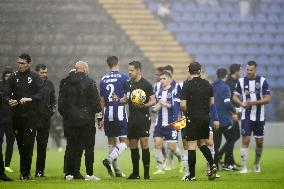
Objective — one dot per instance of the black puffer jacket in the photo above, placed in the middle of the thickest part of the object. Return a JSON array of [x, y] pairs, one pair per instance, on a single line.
[[79, 100]]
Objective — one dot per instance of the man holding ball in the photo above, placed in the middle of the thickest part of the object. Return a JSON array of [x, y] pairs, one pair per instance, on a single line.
[[140, 97]]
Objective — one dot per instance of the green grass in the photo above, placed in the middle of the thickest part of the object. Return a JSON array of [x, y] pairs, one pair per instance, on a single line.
[[272, 175]]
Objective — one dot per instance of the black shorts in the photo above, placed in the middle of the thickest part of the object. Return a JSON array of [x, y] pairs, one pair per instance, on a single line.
[[139, 126], [198, 128]]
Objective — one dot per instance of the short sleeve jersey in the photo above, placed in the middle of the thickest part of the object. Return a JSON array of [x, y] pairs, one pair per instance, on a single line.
[[197, 92]]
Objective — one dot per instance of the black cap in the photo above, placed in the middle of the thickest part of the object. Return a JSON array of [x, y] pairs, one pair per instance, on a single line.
[[194, 66]]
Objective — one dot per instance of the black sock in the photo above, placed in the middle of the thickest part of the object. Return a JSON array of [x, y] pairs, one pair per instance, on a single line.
[[135, 156], [191, 162], [146, 161], [207, 154]]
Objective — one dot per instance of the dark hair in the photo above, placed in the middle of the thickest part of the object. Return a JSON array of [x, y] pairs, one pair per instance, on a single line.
[[160, 69], [234, 68], [194, 68], [252, 63], [40, 66], [221, 73], [169, 68], [136, 64], [112, 61], [166, 73], [26, 57], [7, 70]]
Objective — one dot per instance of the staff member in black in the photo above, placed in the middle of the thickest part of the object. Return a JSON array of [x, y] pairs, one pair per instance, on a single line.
[[23, 93], [81, 101], [3, 115], [47, 107], [196, 99], [6, 126], [139, 120]]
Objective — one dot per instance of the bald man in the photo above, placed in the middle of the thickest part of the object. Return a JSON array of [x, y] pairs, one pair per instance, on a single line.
[[80, 103]]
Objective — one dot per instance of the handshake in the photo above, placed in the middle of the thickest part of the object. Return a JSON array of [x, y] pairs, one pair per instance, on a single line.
[[14, 103]]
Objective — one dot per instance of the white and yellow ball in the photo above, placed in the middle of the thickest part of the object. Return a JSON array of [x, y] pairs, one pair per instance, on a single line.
[[138, 97]]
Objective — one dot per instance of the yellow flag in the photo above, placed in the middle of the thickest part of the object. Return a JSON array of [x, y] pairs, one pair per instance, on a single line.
[[180, 124]]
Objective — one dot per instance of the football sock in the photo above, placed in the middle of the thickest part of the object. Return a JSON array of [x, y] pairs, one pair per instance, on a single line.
[[185, 161], [146, 161], [117, 151], [211, 148], [244, 156], [178, 154], [207, 154], [159, 158], [135, 157], [258, 152], [191, 162], [170, 156]]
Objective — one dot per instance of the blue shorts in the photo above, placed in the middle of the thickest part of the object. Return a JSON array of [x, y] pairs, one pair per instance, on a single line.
[[115, 128], [168, 133], [257, 127]]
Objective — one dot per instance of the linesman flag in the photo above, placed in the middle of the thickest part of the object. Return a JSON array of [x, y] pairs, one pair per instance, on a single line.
[[180, 124]]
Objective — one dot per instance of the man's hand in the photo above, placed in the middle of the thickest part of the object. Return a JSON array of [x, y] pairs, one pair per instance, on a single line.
[[216, 125], [115, 98], [13, 103], [25, 100], [235, 117], [101, 125]]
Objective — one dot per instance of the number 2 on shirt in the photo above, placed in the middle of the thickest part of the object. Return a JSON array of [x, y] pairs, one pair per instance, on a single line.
[[110, 87]]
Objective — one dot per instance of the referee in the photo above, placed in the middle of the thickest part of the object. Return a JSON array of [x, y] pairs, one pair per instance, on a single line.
[[196, 101], [139, 120]]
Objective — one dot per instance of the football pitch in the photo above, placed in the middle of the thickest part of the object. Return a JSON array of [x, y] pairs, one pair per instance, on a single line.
[[272, 175]]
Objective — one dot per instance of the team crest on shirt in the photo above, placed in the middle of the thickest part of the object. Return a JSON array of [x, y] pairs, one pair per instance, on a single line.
[[257, 85], [30, 80]]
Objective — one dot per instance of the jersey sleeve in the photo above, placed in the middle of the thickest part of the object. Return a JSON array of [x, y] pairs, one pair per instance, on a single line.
[[149, 89], [238, 89], [265, 88], [184, 92]]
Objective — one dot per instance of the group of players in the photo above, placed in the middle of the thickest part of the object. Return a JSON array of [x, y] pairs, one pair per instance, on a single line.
[[192, 99]]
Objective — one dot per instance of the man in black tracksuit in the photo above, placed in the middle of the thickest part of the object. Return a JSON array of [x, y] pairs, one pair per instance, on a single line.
[[80, 103], [23, 92], [47, 107], [6, 126]]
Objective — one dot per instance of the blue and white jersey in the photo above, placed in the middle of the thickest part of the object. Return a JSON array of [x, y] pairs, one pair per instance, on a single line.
[[113, 83], [252, 90], [176, 88], [168, 115]]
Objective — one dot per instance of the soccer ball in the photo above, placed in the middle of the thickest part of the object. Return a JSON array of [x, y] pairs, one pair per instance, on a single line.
[[138, 97]]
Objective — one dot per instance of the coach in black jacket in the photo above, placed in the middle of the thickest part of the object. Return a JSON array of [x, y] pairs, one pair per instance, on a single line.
[[23, 92], [80, 103], [47, 107]]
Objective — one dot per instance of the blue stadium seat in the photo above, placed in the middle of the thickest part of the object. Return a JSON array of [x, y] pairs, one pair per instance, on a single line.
[[209, 27], [226, 60], [176, 16], [152, 6], [277, 49], [212, 17], [231, 38], [252, 49], [172, 27], [244, 38], [182, 38], [271, 28], [194, 37], [184, 27], [209, 70], [233, 27], [267, 38], [258, 28], [256, 38], [206, 38], [190, 6], [221, 27], [178, 7], [263, 60], [279, 38], [218, 38], [213, 59], [228, 49], [275, 60], [224, 17], [246, 28]]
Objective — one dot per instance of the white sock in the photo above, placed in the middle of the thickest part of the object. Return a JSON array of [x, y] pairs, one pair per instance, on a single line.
[[117, 151], [170, 157], [258, 153], [244, 156], [185, 162], [211, 148], [178, 154], [159, 158]]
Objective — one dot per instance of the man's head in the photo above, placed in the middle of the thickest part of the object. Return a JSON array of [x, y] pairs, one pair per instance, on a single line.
[[41, 70], [158, 72], [112, 61], [235, 70], [82, 67], [251, 69], [24, 61], [222, 73], [165, 79], [7, 73], [169, 68], [134, 69], [194, 68]]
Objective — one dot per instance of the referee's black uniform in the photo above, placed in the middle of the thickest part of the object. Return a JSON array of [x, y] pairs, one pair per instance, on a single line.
[[139, 123], [197, 94]]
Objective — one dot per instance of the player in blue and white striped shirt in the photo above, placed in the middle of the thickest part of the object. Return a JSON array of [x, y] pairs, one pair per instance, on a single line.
[[115, 117], [252, 93], [167, 108]]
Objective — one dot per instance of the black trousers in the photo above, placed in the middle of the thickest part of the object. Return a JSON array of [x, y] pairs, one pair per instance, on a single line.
[[237, 135], [7, 130], [42, 134], [24, 128], [79, 139], [2, 169], [228, 133]]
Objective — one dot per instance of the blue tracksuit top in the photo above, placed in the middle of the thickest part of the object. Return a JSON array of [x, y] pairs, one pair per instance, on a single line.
[[222, 100]]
